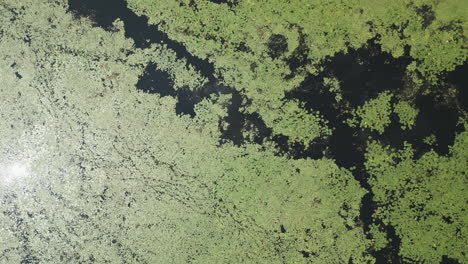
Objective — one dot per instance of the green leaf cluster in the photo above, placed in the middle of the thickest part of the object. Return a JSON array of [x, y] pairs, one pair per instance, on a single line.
[[374, 114], [292, 120], [435, 32], [406, 113], [423, 199]]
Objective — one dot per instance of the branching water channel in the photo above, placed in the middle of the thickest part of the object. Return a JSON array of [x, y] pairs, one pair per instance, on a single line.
[[362, 73]]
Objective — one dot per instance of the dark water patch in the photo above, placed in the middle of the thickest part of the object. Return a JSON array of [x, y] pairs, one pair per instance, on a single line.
[[434, 119], [453, 25], [230, 3], [439, 120], [240, 122], [317, 149], [367, 209], [316, 97], [187, 99], [30, 259], [447, 219], [236, 121], [347, 148], [306, 254], [389, 254], [299, 57], [193, 5], [254, 122], [427, 15], [154, 80], [345, 145], [363, 74], [366, 72], [104, 12], [257, 132], [215, 86], [282, 229], [447, 260], [242, 47], [27, 39], [296, 150], [459, 79], [277, 45], [186, 102], [159, 82]]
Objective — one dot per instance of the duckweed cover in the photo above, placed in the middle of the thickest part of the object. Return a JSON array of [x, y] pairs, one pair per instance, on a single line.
[[233, 131]]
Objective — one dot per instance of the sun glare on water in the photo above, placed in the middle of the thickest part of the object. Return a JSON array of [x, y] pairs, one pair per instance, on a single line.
[[13, 171]]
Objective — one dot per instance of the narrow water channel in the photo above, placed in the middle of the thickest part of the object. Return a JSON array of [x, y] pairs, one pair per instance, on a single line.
[[363, 73]]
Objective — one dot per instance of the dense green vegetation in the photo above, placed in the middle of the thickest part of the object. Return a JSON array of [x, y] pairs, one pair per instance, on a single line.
[[253, 43], [418, 198], [374, 114], [94, 170]]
